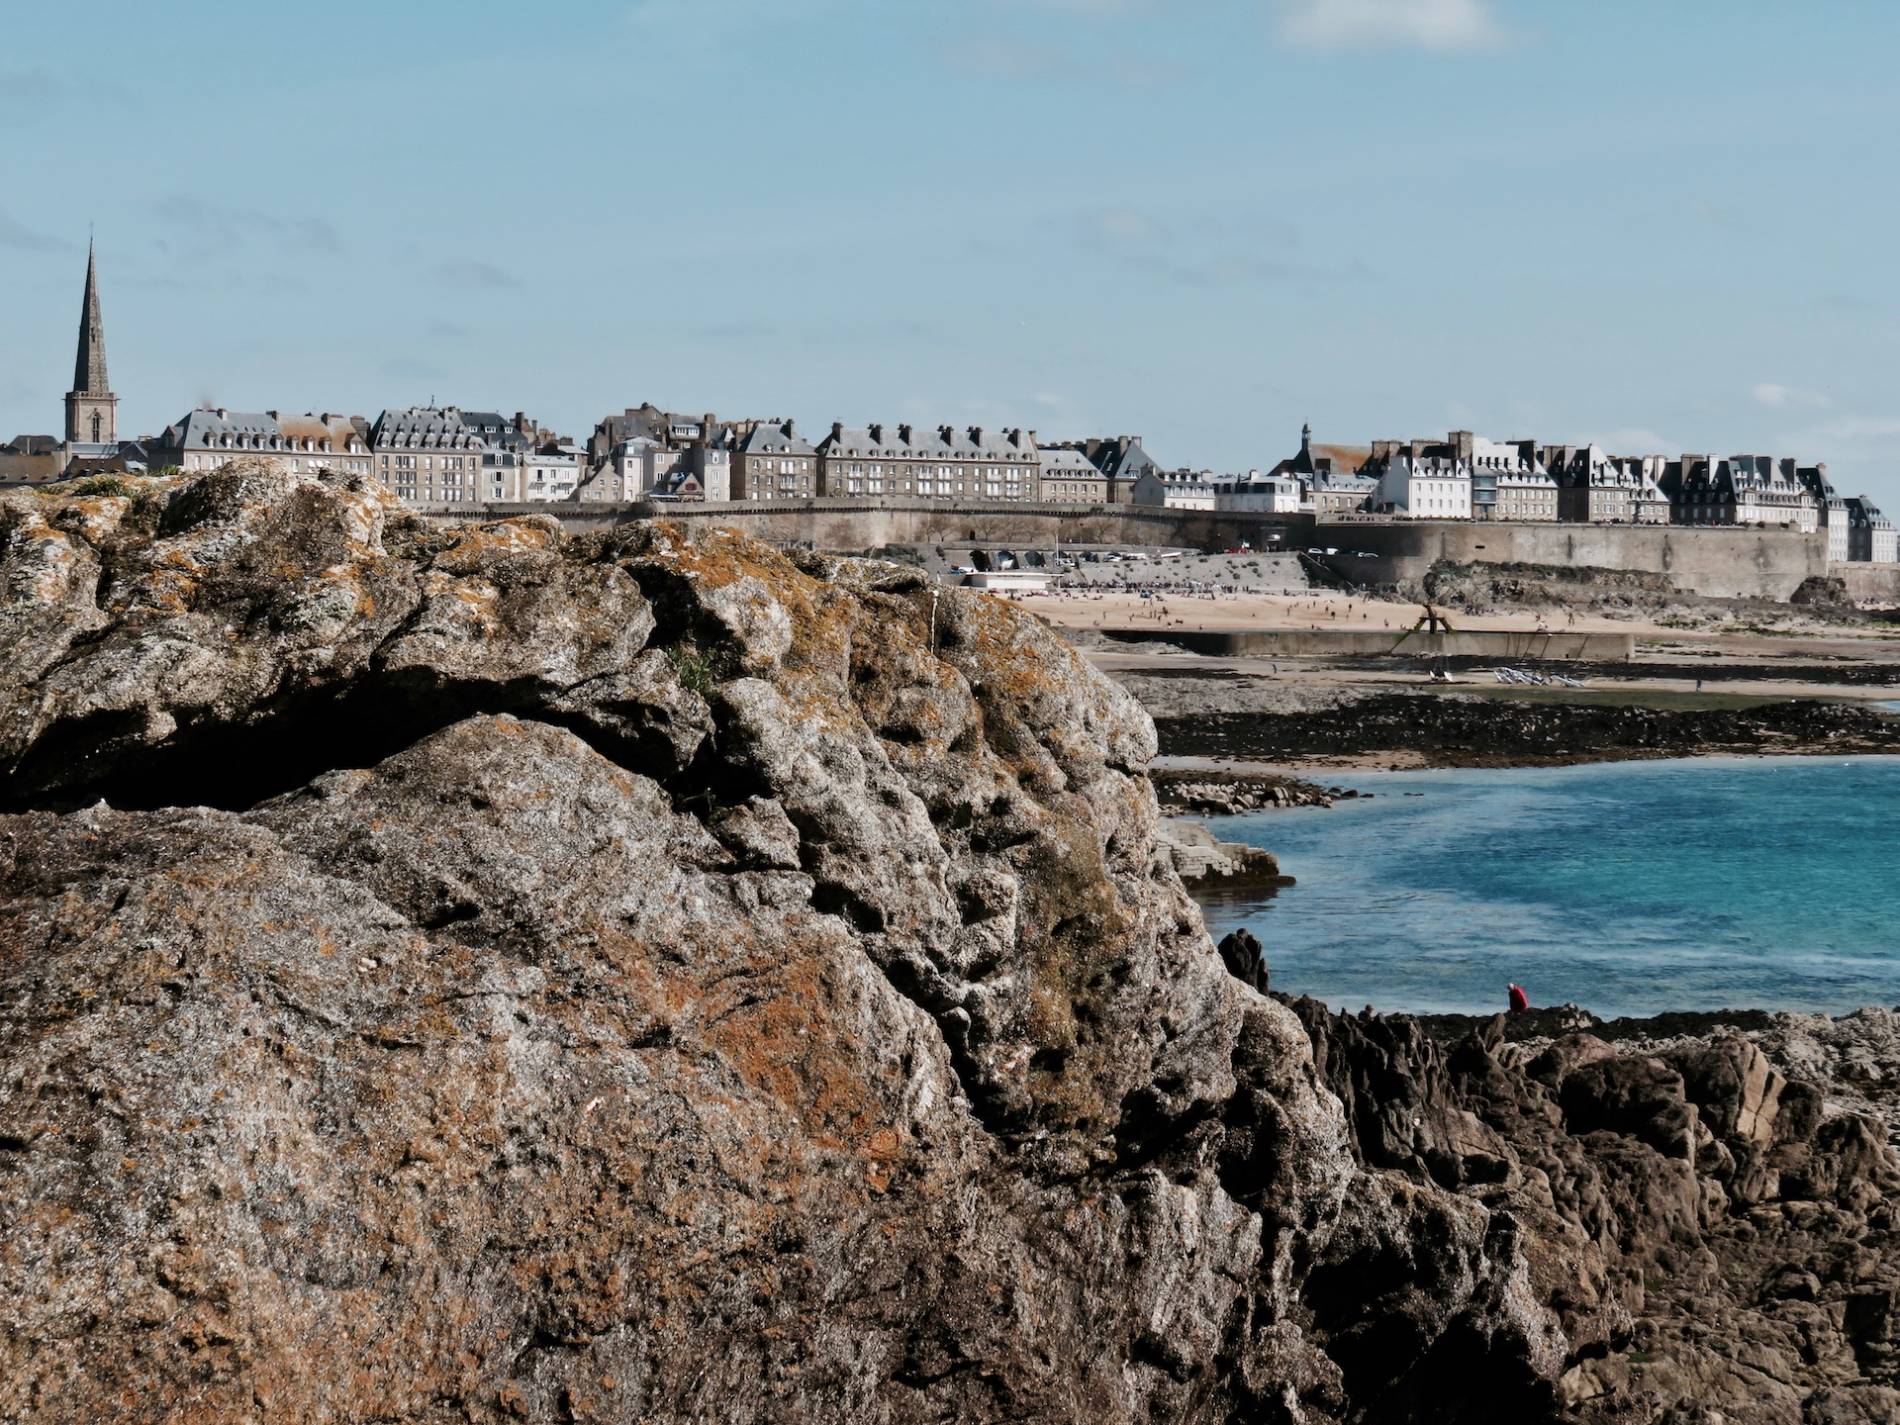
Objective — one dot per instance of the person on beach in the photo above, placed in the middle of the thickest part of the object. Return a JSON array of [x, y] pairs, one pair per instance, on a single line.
[[1519, 1000]]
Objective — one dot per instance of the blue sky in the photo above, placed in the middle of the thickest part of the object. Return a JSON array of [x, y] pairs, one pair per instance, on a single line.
[[1666, 227]]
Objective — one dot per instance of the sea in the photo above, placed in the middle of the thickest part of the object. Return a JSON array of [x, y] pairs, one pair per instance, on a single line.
[[1629, 888]]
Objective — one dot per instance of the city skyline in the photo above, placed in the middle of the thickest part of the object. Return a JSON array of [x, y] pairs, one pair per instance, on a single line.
[[1067, 216]]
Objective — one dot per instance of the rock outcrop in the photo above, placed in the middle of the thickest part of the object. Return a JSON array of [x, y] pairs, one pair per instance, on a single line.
[[477, 973]]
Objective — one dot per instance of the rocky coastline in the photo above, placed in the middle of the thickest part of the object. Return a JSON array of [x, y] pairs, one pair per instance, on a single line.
[[487, 974], [1434, 729], [1218, 792]]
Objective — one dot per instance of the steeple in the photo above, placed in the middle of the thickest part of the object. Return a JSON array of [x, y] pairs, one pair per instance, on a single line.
[[92, 411]]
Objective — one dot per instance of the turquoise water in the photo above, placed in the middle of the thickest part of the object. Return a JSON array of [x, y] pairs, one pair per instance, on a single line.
[[1629, 887]]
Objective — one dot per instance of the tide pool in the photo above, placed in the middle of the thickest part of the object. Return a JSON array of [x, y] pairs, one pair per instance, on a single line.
[[1629, 888]]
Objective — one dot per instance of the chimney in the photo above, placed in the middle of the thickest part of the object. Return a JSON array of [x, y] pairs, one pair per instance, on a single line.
[[837, 430], [903, 434], [877, 432], [788, 429], [976, 435]]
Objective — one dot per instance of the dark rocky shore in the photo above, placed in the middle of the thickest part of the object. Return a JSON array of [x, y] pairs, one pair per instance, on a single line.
[[1223, 793], [1457, 730], [483, 974]]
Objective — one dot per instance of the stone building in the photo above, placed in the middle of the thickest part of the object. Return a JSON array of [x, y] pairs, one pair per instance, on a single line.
[[428, 455], [1508, 480], [1871, 538], [1830, 508], [1594, 487], [708, 465], [1417, 486], [210, 436], [666, 429], [1741, 490], [646, 451], [1328, 476], [1255, 493], [774, 462], [551, 471], [1065, 476], [32, 459], [1121, 459], [633, 468], [1174, 490], [883, 462]]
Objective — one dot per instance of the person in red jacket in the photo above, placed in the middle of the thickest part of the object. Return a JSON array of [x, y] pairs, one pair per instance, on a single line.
[[1519, 1000]]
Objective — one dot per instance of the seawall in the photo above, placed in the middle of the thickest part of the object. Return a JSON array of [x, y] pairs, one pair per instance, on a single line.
[[1734, 563], [1721, 563]]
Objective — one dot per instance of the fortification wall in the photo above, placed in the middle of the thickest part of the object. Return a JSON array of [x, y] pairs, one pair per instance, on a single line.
[[1869, 583], [1722, 563], [831, 524], [1744, 563]]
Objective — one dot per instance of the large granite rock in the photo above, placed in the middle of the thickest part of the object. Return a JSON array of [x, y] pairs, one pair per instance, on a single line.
[[475, 973]]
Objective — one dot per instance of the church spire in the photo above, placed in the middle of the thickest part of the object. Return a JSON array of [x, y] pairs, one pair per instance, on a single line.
[[89, 371], [92, 411]]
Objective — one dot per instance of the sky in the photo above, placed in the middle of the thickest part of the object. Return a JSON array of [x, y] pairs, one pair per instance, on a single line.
[[1665, 227]]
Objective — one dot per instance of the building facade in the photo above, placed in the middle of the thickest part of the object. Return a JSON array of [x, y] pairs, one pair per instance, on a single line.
[[1741, 490], [551, 471], [1329, 477], [428, 455], [1594, 487], [1418, 480], [1254, 493], [1830, 508], [774, 462], [211, 436], [1065, 476], [1174, 490], [1121, 459], [1871, 538], [883, 462]]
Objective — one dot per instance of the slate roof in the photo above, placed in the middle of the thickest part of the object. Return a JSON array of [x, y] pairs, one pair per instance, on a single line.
[[1065, 463], [420, 427], [907, 442], [1863, 513], [771, 438]]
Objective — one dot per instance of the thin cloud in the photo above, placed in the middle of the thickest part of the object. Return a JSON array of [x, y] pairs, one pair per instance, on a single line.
[[1777, 397], [409, 368], [26, 87], [200, 228], [1445, 26], [1202, 259], [18, 237], [999, 59], [474, 274]]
